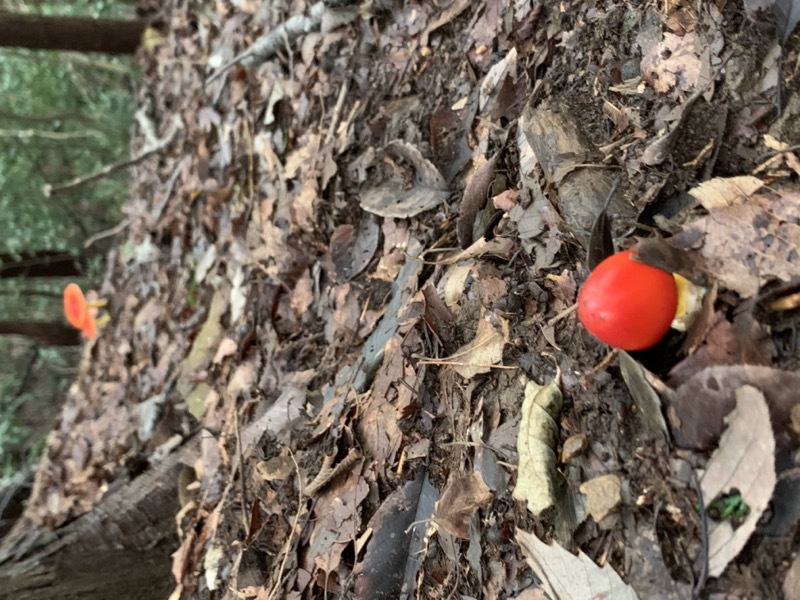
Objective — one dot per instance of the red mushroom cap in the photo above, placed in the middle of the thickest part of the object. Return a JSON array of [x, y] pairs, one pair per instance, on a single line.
[[75, 308], [628, 304]]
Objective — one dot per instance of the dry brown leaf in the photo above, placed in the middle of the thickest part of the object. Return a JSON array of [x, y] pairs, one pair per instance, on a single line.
[[697, 410], [726, 191], [335, 517], [378, 427], [462, 497], [395, 197], [743, 342], [473, 200], [351, 249], [749, 244], [485, 350], [745, 460], [451, 149]]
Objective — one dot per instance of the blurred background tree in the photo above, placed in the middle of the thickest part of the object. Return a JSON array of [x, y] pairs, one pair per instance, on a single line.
[[62, 115]]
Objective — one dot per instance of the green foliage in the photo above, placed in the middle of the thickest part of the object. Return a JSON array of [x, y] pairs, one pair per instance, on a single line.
[[62, 115], [25, 396]]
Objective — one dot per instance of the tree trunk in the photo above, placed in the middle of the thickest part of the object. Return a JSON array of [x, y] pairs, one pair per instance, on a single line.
[[121, 549], [48, 333], [70, 33], [45, 263]]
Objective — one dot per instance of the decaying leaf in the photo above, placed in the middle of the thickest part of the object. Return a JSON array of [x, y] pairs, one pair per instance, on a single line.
[[336, 518], [403, 199], [748, 244], [351, 249], [562, 149], [744, 461], [674, 63], [564, 575], [462, 496], [697, 411], [205, 344], [720, 342], [648, 574], [474, 199], [538, 434], [646, 399], [791, 584], [787, 15]]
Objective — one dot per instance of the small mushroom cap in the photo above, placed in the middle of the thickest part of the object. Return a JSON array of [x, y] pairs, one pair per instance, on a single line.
[[75, 308]]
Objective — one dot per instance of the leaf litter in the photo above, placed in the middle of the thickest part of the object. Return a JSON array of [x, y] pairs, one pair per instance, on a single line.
[[296, 290]]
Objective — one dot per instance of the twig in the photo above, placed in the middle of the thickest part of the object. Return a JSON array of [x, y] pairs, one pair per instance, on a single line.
[[337, 111], [328, 472], [118, 228], [291, 531], [700, 582], [267, 46], [49, 190], [49, 135]]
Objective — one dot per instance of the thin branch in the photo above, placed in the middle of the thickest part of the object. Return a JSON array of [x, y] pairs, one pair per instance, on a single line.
[[49, 135], [267, 46], [49, 190]]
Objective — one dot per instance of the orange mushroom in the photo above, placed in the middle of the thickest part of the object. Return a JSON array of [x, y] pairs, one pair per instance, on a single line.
[[89, 329], [75, 308], [81, 311]]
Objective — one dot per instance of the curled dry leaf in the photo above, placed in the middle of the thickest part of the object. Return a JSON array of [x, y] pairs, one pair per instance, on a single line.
[[474, 199], [538, 434]]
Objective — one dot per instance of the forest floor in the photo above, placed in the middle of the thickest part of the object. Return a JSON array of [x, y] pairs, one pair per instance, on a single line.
[[360, 253]]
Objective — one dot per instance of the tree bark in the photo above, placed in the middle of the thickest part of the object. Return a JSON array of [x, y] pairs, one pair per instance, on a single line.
[[38, 32], [48, 333], [121, 549], [44, 263]]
